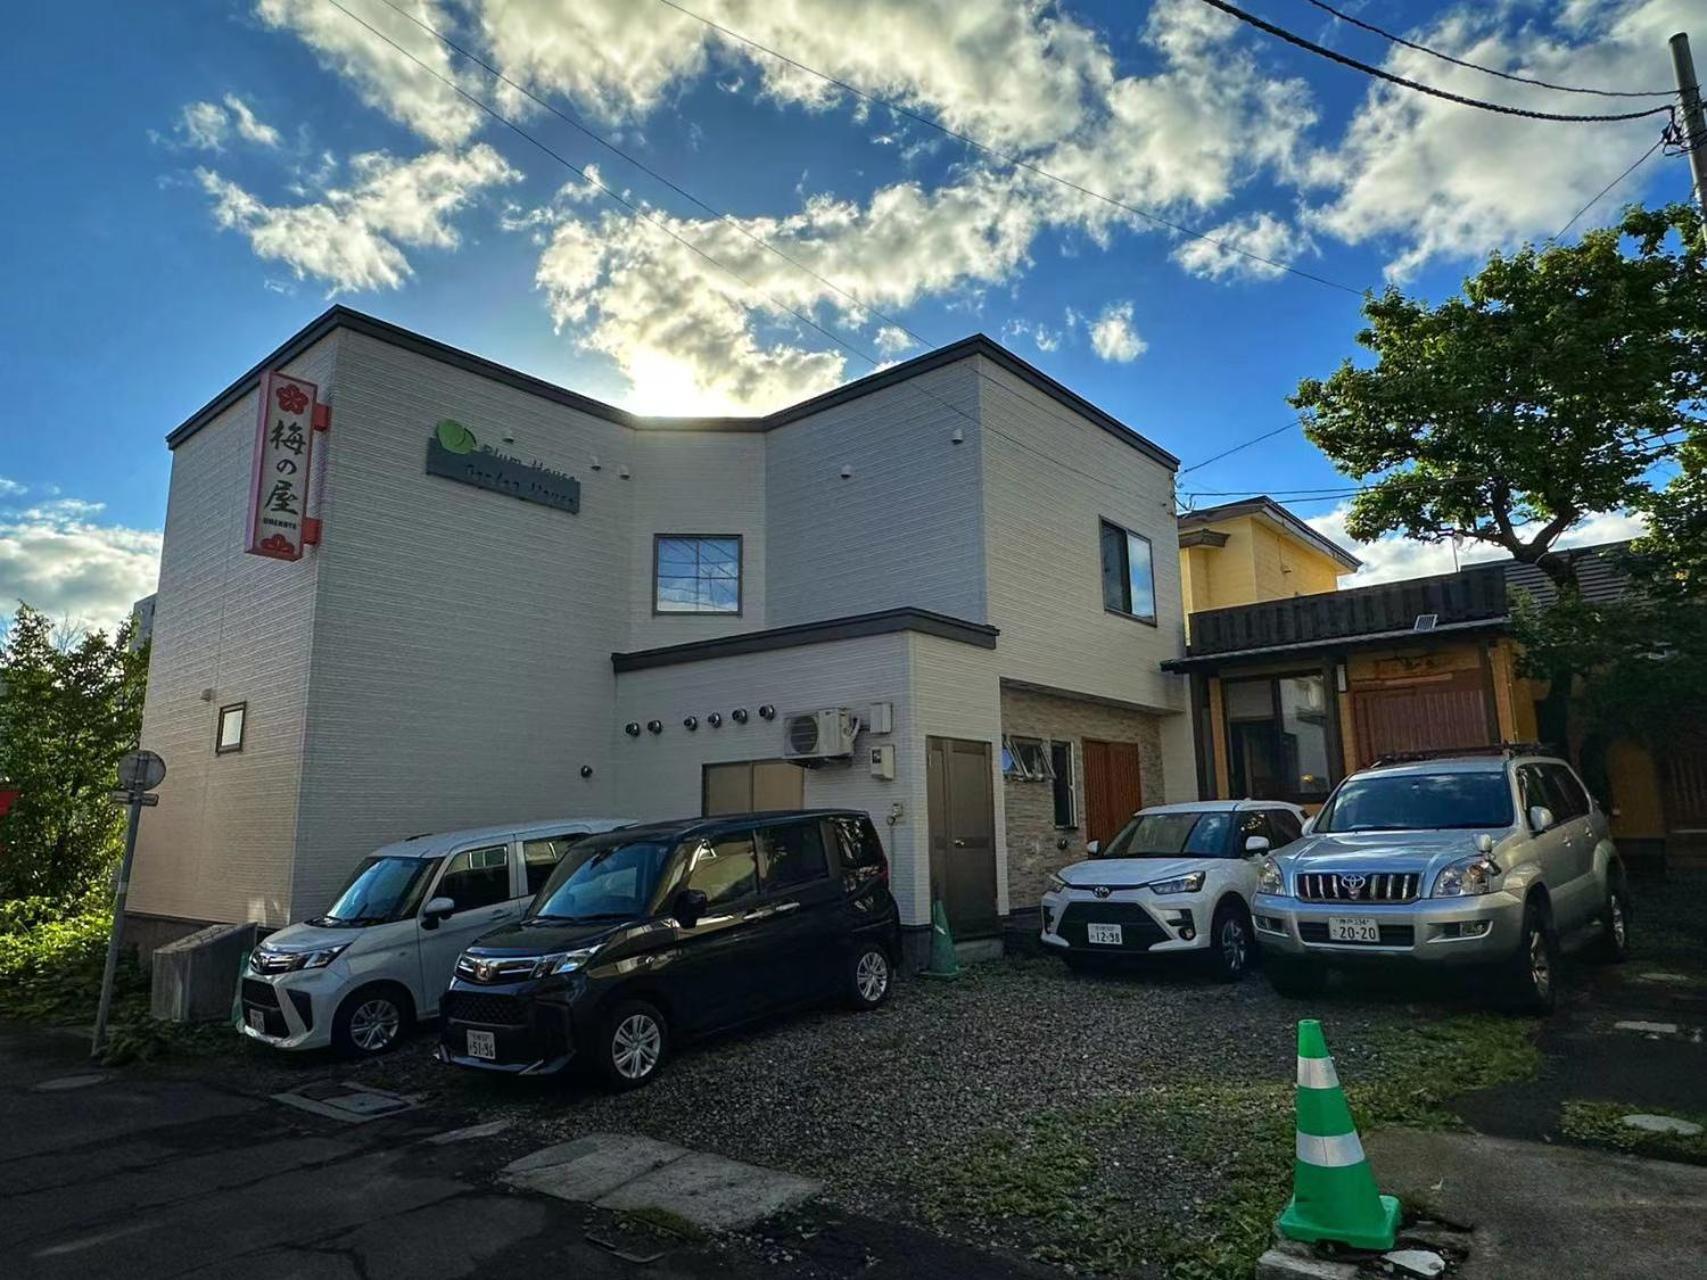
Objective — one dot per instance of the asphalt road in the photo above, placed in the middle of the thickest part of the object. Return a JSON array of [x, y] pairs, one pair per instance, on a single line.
[[140, 1175]]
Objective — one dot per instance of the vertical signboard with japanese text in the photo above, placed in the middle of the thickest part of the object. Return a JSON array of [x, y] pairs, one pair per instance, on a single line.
[[284, 447]]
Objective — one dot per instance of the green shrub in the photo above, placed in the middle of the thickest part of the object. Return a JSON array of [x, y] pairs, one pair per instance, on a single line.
[[51, 957]]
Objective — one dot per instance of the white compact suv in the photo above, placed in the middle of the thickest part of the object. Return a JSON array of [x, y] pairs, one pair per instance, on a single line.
[[1177, 878], [383, 953]]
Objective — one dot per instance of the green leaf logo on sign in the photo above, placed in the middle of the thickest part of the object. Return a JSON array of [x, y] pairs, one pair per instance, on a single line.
[[455, 437]]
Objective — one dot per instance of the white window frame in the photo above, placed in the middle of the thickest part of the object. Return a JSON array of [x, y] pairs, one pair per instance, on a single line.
[[1040, 771]]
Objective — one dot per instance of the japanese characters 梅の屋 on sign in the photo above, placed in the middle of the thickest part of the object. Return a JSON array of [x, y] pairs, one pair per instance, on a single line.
[[278, 500]]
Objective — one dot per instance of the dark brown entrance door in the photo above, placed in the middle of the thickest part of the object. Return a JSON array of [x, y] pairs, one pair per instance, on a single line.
[[1423, 717], [962, 835], [1113, 789]]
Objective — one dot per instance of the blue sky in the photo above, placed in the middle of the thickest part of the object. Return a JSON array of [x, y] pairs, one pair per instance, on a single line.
[[190, 183]]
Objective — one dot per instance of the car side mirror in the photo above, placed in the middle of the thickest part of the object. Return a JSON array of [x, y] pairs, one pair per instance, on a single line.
[[689, 907], [1094, 848], [1256, 844], [1540, 818], [1308, 824], [436, 910]]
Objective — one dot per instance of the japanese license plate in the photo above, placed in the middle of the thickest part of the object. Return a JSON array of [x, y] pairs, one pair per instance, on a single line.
[[1105, 935], [1354, 929], [482, 1045], [257, 1019]]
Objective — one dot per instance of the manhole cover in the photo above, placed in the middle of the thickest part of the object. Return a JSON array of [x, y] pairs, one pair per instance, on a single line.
[[351, 1104]]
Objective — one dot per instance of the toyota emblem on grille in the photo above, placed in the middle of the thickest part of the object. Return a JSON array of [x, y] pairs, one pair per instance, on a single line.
[[1102, 891], [483, 970], [1353, 885]]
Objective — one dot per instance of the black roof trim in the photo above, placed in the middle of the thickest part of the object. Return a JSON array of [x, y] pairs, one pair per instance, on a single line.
[[341, 317], [885, 622], [1238, 657], [1265, 505]]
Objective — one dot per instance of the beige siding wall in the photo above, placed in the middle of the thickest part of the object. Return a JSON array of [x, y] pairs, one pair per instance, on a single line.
[[902, 530], [1034, 843], [217, 847], [1044, 497], [463, 638]]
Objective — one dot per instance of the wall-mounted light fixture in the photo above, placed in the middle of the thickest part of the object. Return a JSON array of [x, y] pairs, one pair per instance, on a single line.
[[739, 715], [586, 771], [632, 728], [715, 719], [767, 712], [595, 464], [654, 726], [690, 723], [847, 472], [623, 471], [958, 437]]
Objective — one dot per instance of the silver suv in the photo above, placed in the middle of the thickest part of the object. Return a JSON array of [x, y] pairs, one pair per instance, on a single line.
[[1459, 859]]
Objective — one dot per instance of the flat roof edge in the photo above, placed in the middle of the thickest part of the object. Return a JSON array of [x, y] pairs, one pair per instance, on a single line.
[[856, 626]]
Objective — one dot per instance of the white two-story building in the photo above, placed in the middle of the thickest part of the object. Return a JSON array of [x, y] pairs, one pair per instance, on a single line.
[[941, 594]]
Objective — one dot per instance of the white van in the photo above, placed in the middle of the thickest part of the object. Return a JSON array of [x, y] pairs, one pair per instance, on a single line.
[[382, 955]]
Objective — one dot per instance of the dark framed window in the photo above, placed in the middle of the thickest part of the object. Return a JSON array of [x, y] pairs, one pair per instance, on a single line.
[[1286, 826], [541, 856], [792, 854], [751, 786], [696, 573], [477, 878], [724, 871], [1278, 741], [228, 737], [1128, 573], [1066, 800]]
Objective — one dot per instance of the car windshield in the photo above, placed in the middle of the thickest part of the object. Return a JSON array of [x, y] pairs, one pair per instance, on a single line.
[[602, 878], [1170, 835], [1419, 802], [382, 888]]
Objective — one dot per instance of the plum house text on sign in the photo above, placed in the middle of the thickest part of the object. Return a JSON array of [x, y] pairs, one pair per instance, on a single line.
[[279, 524]]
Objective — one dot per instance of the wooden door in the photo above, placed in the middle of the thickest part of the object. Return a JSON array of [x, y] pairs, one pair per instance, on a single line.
[[1684, 768], [1114, 790], [962, 820], [1423, 717]]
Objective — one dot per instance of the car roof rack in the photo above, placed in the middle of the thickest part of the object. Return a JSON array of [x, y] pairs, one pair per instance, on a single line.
[[1504, 749]]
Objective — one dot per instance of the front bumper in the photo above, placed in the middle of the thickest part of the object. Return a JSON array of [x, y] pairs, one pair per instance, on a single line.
[[1149, 923], [1433, 931], [291, 1010], [532, 1030]]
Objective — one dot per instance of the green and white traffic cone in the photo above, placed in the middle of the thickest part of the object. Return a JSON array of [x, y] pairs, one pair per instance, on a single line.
[[944, 962], [1334, 1197]]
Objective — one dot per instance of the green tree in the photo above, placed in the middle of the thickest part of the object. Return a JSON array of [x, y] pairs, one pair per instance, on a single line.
[[70, 706], [1548, 391]]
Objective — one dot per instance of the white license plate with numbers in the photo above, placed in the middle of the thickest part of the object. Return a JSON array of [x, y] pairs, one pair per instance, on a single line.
[[1354, 929], [257, 1020], [1103, 935], [481, 1044]]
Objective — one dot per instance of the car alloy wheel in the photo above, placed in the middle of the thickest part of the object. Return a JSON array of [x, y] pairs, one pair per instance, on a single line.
[[871, 976], [375, 1024], [1620, 934], [1540, 964], [636, 1046], [1235, 947]]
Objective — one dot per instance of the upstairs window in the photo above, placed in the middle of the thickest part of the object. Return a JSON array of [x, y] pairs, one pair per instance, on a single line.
[[696, 573], [1128, 580]]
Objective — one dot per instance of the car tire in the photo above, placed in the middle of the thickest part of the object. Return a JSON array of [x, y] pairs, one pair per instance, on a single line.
[[1614, 944], [1296, 979], [1231, 943], [870, 975], [1532, 973], [371, 1020], [633, 1045]]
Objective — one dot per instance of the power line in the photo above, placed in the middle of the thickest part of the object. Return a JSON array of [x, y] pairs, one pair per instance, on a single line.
[[1009, 158], [1281, 33], [1267, 435], [1601, 194], [1476, 66]]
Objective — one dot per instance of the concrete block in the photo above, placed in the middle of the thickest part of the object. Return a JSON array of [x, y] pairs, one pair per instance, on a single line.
[[590, 1167], [1283, 1264], [195, 978], [713, 1193]]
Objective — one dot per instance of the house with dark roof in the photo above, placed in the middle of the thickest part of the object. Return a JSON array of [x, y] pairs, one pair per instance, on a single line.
[[942, 594]]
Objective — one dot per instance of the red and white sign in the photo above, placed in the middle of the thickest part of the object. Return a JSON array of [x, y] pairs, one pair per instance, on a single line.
[[284, 452]]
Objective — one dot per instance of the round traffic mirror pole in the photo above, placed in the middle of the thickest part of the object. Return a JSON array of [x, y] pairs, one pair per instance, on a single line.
[[140, 772]]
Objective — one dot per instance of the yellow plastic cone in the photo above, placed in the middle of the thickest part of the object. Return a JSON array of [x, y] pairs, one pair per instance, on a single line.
[[1334, 1197]]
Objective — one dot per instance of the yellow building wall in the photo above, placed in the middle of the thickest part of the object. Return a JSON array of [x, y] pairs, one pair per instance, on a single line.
[[1638, 806], [1258, 562]]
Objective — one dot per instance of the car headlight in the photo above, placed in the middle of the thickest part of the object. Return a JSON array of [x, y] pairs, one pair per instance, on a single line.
[[1056, 883], [563, 962], [266, 960], [323, 957], [1269, 878], [1466, 877], [1179, 884]]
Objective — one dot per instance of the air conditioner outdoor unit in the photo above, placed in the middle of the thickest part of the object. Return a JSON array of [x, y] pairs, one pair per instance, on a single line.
[[826, 734]]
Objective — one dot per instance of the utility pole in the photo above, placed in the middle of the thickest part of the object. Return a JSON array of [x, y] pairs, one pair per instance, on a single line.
[[139, 773], [1694, 127]]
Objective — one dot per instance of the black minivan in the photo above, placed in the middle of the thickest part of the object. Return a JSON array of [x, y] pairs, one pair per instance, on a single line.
[[658, 932]]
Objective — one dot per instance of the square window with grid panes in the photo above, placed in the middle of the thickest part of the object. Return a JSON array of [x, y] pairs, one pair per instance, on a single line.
[[696, 573]]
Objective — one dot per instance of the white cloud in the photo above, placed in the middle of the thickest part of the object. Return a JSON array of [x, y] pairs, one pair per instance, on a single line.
[[1394, 557], [407, 90], [892, 340], [1435, 179], [1262, 234], [11, 488], [56, 557], [1113, 336], [350, 237], [207, 126], [249, 128], [1039, 334]]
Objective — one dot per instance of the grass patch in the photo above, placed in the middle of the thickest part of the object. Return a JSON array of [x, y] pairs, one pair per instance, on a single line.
[[1051, 1188], [1602, 1124]]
